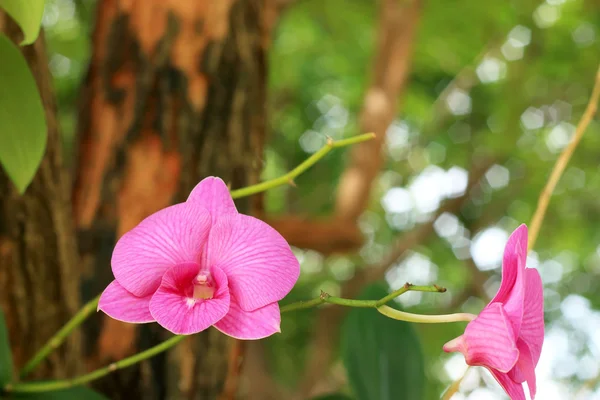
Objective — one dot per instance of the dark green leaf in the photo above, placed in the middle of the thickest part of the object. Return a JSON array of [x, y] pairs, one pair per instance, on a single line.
[[6, 365], [22, 121], [383, 357], [74, 393], [27, 14]]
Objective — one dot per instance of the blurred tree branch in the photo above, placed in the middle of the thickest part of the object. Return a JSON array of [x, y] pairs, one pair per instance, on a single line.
[[339, 232], [562, 161]]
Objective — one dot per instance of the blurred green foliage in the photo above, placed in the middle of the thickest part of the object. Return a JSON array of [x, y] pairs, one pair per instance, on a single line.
[[503, 80]]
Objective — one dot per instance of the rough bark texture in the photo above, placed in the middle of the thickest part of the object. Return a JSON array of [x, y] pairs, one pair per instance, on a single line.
[[39, 270], [175, 92]]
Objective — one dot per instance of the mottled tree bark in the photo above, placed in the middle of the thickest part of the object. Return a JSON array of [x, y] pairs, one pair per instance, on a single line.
[[175, 92], [39, 270]]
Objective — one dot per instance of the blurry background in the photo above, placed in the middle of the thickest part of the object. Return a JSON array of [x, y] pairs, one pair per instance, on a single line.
[[483, 96]]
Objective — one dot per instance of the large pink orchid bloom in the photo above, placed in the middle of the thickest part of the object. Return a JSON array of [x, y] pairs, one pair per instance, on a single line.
[[507, 336], [199, 264]]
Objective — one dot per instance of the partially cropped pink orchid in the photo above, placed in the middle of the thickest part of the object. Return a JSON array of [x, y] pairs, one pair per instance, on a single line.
[[199, 264], [507, 336]]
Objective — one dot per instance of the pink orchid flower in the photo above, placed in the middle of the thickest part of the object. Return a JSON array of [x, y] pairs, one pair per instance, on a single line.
[[199, 264], [507, 336]]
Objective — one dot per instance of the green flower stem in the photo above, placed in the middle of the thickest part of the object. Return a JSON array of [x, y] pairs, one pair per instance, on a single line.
[[309, 162], [412, 288], [56, 340], [326, 298], [36, 387], [301, 305], [424, 319]]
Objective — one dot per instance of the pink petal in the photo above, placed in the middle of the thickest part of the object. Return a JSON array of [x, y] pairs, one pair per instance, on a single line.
[[456, 344], [524, 369], [512, 288], [121, 305], [532, 327], [514, 390], [489, 340], [171, 236], [212, 194], [184, 315], [250, 325], [259, 264]]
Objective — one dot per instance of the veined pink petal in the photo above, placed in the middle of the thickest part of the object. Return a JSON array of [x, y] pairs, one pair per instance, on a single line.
[[489, 340], [259, 263], [121, 305], [171, 236], [524, 369], [532, 326], [512, 288], [514, 390], [507, 336], [184, 315], [250, 325], [212, 194]]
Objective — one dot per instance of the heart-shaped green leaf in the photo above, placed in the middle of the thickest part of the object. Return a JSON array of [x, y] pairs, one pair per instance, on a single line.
[[23, 131], [383, 357], [6, 365], [27, 14]]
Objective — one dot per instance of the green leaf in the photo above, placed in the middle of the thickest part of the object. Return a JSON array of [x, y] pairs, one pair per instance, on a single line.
[[27, 14], [23, 131], [74, 393], [383, 357], [6, 365]]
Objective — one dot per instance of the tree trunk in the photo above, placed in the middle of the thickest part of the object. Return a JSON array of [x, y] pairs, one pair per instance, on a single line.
[[175, 92], [39, 271]]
